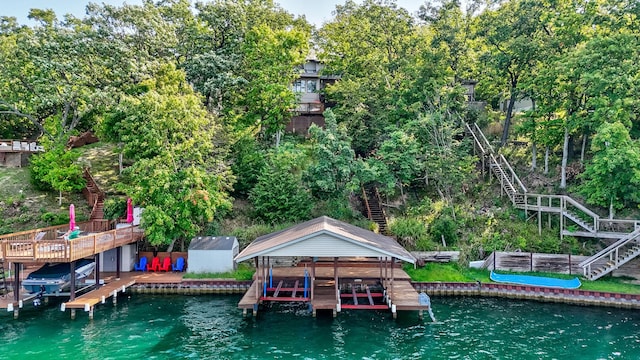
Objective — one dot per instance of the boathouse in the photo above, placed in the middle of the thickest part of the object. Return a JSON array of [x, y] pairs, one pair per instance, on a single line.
[[340, 266]]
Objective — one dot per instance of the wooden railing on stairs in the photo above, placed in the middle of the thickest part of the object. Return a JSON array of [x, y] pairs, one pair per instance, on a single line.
[[588, 222], [375, 211], [94, 195]]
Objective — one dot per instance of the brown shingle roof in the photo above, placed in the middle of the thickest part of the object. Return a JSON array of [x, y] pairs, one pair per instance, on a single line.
[[384, 245]]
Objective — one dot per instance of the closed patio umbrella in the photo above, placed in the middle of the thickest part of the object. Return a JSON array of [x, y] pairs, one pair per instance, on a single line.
[[72, 217], [129, 211]]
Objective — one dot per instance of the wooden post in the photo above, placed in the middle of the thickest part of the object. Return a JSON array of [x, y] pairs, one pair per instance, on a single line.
[[313, 276], [257, 277], [561, 219], [97, 270], [393, 260], [118, 261], [569, 263], [539, 216], [16, 282], [380, 266], [531, 261], [72, 291], [335, 276]]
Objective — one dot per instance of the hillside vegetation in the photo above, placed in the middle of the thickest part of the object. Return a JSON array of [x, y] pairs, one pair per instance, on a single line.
[[196, 98]]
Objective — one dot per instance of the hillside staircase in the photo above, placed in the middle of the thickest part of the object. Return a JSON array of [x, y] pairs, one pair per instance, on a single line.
[[94, 196], [374, 209], [575, 218]]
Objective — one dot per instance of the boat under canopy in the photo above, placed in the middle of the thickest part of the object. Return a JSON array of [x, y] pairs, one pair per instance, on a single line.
[[56, 277]]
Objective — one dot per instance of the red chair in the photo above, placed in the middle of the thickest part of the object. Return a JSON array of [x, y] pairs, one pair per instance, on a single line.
[[166, 264], [155, 264]]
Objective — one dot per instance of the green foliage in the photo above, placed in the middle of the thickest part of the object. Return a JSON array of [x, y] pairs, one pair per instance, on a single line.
[[411, 233], [115, 207], [337, 208], [56, 169], [249, 163], [244, 272], [179, 176], [444, 227], [280, 197], [613, 176], [333, 163]]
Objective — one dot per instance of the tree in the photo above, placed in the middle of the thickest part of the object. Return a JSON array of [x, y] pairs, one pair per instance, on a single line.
[[332, 169], [57, 169], [279, 195], [179, 175], [510, 34], [612, 178]]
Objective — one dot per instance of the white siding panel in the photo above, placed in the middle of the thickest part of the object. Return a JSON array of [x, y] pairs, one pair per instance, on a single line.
[[210, 261], [324, 245]]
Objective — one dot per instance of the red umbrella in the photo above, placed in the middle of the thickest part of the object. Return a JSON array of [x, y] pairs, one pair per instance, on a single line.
[[72, 217], [129, 211]]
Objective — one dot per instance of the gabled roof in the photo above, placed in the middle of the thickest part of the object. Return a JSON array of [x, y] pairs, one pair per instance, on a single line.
[[327, 236], [212, 243]]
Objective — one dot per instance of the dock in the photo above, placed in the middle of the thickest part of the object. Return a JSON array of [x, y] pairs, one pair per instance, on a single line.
[[88, 301], [354, 290]]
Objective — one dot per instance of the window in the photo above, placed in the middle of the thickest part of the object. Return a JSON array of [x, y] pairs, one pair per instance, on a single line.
[[311, 86]]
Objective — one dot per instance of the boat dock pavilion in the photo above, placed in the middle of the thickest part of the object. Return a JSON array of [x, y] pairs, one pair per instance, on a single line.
[[343, 267], [46, 245]]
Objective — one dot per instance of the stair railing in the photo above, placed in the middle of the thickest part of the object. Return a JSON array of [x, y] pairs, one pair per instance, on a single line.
[[608, 251], [366, 202]]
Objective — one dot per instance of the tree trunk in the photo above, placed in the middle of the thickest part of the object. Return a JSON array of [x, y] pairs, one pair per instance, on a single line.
[[546, 160], [277, 138], [534, 156], [611, 210], [584, 145], [60, 198], [507, 120], [565, 155]]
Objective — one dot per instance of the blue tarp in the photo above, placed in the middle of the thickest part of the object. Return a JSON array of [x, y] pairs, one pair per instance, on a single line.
[[536, 281]]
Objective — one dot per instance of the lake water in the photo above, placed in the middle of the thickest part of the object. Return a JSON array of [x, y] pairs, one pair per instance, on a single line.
[[211, 327]]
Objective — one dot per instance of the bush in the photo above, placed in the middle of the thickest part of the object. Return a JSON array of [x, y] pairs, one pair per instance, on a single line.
[[444, 227], [115, 208], [279, 197], [337, 208], [411, 233]]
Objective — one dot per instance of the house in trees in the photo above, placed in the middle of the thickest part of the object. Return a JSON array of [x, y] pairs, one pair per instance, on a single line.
[[311, 103]]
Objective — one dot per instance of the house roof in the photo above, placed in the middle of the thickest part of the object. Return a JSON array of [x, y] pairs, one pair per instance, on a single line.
[[344, 240], [212, 243]]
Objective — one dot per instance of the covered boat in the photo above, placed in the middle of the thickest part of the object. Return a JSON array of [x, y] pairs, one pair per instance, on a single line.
[[56, 277]]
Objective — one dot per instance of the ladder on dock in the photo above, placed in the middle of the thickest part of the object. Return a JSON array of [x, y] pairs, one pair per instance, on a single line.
[[575, 218]]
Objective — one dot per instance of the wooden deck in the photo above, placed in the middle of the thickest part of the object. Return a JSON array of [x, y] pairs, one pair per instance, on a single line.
[[46, 245]]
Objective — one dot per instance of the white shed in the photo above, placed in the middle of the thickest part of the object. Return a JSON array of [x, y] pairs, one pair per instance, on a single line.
[[213, 254]]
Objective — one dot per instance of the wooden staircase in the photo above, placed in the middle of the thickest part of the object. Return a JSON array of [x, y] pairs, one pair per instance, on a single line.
[[375, 211], [575, 218], [94, 196]]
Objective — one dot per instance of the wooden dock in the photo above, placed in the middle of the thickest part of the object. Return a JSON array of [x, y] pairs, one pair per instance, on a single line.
[[88, 301], [400, 295]]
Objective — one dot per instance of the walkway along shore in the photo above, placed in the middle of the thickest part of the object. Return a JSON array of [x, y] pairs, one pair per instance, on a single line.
[[433, 289]]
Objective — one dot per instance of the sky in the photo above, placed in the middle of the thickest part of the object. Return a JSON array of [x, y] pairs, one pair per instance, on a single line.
[[316, 11]]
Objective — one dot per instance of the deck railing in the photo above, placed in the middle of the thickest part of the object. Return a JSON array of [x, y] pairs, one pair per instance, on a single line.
[[46, 245]]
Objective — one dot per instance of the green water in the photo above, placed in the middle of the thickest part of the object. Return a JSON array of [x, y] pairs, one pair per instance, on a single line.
[[211, 327]]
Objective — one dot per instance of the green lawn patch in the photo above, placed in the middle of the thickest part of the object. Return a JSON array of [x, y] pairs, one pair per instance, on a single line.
[[242, 273], [452, 272]]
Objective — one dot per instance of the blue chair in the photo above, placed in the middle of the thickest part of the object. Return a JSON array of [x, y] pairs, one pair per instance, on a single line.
[[179, 265], [142, 265]]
